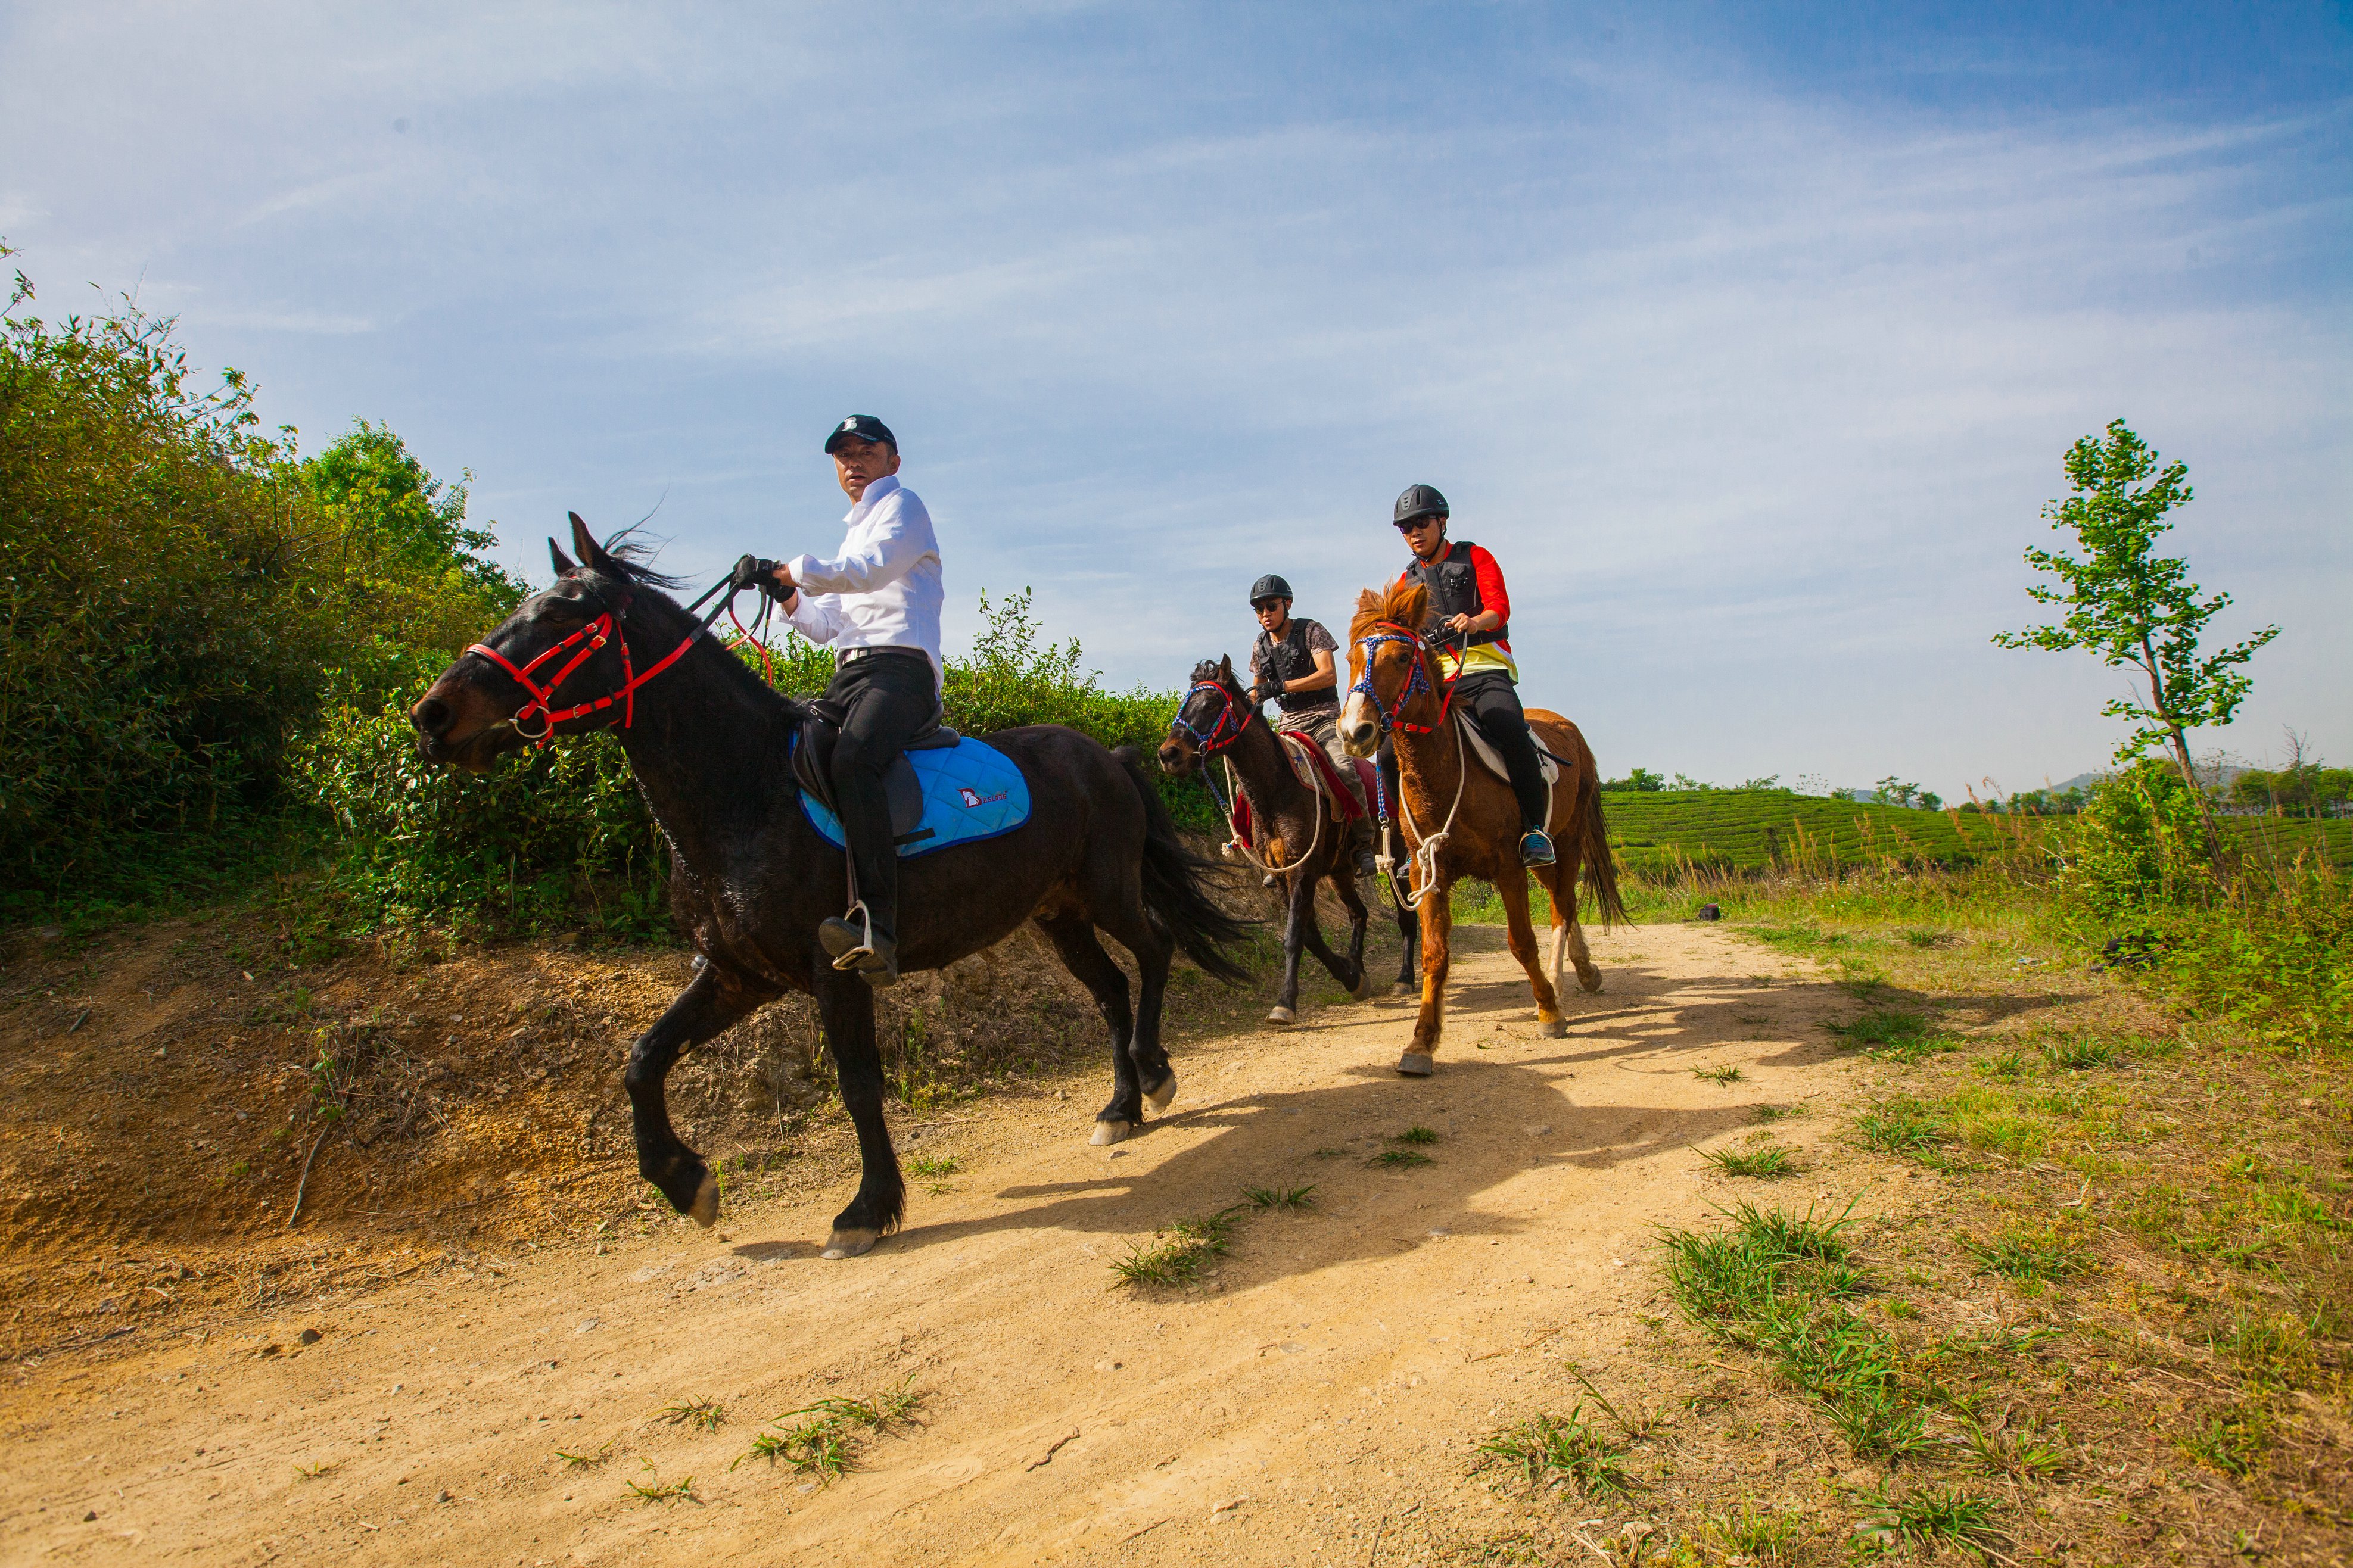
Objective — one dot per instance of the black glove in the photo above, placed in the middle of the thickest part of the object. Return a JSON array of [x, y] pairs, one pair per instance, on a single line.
[[1261, 693], [753, 573]]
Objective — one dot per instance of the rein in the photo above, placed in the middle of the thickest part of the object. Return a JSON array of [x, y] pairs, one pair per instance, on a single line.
[[604, 628], [1425, 853], [1216, 739]]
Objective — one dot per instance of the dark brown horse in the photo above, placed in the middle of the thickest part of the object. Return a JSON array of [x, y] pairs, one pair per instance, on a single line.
[[1301, 840], [1461, 820], [751, 879]]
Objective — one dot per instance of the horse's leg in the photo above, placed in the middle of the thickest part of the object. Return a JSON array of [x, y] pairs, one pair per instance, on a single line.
[[1354, 978], [1512, 889], [1073, 936], [708, 1005], [845, 1008], [1301, 921], [1437, 925], [1560, 880], [1410, 945]]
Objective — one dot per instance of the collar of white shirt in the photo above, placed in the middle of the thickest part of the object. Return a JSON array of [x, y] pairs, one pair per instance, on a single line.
[[876, 493]]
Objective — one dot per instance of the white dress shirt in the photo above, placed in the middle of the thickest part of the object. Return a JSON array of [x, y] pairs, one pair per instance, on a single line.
[[883, 589]]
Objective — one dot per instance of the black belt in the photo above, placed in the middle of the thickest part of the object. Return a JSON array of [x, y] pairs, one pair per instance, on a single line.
[[852, 654]]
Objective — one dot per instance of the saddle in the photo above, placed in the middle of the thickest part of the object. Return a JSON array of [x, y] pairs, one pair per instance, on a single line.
[[1495, 760], [813, 768]]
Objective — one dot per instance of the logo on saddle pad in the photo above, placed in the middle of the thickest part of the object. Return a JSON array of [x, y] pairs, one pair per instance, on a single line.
[[971, 798]]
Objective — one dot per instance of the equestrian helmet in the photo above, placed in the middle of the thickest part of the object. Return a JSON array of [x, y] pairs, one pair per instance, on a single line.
[[1268, 587], [1420, 501]]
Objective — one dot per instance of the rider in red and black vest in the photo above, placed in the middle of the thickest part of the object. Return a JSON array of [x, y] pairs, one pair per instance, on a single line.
[[1469, 623]]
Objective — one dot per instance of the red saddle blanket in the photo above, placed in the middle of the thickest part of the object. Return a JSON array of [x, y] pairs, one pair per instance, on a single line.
[[1345, 805]]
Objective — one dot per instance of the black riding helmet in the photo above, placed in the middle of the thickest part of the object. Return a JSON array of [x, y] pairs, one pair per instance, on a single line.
[[1420, 501], [1268, 587]]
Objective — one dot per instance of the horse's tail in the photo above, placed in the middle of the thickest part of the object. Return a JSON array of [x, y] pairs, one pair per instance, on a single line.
[[1601, 867], [1176, 885]]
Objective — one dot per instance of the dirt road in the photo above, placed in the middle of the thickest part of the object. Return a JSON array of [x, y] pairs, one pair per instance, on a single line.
[[1316, 1398]]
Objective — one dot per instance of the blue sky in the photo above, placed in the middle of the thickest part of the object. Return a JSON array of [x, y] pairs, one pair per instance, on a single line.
[[1748, 338]]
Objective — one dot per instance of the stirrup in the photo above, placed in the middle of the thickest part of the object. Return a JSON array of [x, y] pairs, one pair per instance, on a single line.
[[849, 958], [1535, 848]]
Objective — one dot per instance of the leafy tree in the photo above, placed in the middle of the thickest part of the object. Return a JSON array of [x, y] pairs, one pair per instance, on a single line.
[[2132, 606], [1639, 780], [1894, 791]]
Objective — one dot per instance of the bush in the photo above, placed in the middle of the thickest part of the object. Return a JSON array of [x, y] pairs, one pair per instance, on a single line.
[[182, 598], [2138, 845]]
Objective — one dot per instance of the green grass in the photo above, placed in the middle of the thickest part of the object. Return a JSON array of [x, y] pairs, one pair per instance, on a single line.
[[1400, 1159], [1417, 1135], [2023, 1254], [1568, 1450], [653, 1488], [1289, 1198], [2077, 1055], [934, 1165], [1896, 1035], [1723, 1075], [702, 1414], [596, 1455], [1767, 1164], [822, 1439], [1762, 1538], [1932, 1517], [1177, 1254], [1902, 1125]]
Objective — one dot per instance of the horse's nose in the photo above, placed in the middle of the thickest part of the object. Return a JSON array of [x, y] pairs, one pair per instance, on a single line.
[[1172, 756], [1360, 733], [431, 717]]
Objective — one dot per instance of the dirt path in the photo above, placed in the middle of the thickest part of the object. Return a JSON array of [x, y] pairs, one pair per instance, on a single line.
[[1317, 1397]]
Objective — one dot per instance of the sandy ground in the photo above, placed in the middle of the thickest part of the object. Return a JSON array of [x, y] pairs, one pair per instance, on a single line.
[[1318, 1398]]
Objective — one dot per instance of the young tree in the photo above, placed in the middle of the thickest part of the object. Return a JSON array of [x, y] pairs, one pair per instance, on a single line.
[[2132, 606]]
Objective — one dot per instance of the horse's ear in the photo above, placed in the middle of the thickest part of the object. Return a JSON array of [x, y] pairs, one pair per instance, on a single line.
[[585, 542], [563, 563], [1226, 667]]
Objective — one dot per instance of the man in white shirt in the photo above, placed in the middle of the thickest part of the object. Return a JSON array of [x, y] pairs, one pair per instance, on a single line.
[[878, 602]]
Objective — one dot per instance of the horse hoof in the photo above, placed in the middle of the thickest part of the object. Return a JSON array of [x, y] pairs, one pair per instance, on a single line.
[[1159, 1098], [704, 1210], [1281, 1015], [1413, 1064], [1590, 983], [848, 1242], [1404, 988], [1552, 1029], [1109, 1131]]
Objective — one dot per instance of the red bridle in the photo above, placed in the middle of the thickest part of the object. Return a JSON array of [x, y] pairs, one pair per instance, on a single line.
[[1214, 739], [595, 634]]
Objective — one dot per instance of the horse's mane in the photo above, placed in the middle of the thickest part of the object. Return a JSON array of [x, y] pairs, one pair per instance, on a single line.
[[632, 562], [1210, 670], [1400, 605]]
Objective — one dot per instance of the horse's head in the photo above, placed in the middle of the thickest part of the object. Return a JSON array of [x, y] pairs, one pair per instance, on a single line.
[[1210, 716], [502, 692], [1392, 675]]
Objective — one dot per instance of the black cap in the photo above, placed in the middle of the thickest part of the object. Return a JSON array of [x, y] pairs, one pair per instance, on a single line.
[[865, 427], [1268, 587], [1420, 501]]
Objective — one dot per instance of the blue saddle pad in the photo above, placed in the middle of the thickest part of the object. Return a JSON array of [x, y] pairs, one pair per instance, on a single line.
[[971, 791]]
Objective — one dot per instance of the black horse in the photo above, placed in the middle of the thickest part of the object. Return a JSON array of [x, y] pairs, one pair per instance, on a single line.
[[710, 744], [1298, 830]]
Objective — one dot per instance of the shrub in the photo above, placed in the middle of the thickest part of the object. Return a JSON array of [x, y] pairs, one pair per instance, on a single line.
[[2139, 844]]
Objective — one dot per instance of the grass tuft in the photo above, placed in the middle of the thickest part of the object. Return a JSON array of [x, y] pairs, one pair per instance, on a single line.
[[702, 1414], [2023, 1254], [1768, 1163], [934, 1165], [1896, 1035], [1562, 1451], [596, 1455], [1901, 1126], [1176, 1255], [1398, 1159], [1415, 1134], [1762, 1538], [653, 1488], [1932, 1517], [1291, 1198], [1725, 1075], [312, 1472], [822, 1439], [2076, 1055]]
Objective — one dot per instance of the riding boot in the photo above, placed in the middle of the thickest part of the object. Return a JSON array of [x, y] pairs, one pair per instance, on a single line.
[[886, 699]]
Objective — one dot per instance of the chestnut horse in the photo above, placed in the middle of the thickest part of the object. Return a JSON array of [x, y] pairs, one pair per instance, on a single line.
[[1461, 820], [1301, 841], [711, 748]]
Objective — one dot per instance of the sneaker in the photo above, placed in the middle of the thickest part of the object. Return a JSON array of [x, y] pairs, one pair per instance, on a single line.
[[1535, 848], [1366, 867]]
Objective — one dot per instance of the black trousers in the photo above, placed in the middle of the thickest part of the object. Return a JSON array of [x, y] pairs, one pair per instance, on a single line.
[[1494, 705], [888, 699]]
